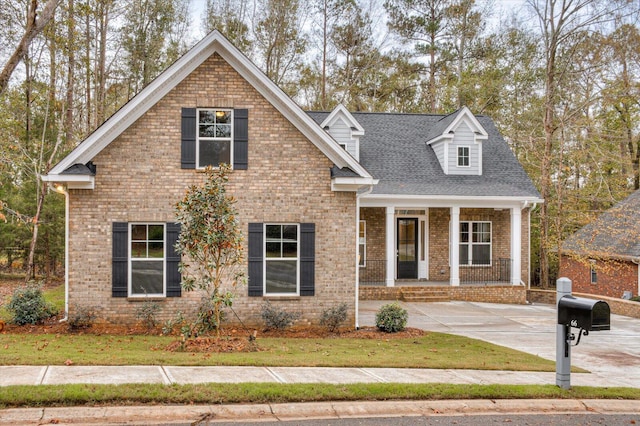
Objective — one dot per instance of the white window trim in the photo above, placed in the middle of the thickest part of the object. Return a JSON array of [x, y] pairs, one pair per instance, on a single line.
[[470, 244], [270, 259], [131, 260], [198, 138], [362, 241], [468, 156], [593, 272]]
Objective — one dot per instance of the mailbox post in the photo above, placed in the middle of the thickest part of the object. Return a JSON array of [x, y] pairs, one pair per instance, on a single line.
[[586, 315], [563, 350]]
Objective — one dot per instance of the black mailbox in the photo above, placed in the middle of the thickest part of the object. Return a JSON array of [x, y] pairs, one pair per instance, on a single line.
[[588, 314]]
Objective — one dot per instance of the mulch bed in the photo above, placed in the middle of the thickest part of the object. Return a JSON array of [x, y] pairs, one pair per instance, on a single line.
[[232, 340]]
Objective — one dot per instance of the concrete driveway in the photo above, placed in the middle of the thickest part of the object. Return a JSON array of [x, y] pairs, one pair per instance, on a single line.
[[528, 328]]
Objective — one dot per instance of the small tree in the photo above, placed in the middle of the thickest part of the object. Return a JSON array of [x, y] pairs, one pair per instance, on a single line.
[[210, 241]]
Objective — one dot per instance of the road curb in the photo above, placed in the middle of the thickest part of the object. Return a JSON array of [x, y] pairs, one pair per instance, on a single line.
[[204, 414]]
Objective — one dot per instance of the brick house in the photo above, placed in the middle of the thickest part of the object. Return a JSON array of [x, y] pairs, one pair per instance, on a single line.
[[326, 200], [602, 257]]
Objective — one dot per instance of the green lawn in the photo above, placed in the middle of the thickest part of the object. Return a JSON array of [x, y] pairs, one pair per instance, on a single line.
[[245, 393], [435, 350]]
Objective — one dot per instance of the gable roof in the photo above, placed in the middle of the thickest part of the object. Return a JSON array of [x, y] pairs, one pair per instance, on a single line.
[[394, 150], [445, 127], [214, 42], [615, 233]]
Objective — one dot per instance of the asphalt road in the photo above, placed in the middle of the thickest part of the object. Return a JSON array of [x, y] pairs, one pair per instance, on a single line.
[[468, 420]]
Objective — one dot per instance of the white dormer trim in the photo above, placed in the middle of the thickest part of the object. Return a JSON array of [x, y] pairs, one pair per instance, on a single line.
[[446, 150], [356, 130], [214, 42]]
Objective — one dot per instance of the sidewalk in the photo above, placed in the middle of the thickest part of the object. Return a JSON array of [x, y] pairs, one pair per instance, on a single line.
[[56, 374]]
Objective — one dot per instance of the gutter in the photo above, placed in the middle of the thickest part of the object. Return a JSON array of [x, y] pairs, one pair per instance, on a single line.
[[359, 194], [636, 260], [61, 190]]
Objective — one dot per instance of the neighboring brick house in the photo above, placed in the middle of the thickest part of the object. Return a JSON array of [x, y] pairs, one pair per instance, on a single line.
[[317, 193], [602, 257]]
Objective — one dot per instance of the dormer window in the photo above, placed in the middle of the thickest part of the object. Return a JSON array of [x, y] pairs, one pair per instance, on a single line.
[[463, 156], [457, 142], [345, 130]]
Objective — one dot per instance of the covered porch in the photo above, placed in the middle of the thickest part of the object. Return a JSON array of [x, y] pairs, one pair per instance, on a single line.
[[435, 246]]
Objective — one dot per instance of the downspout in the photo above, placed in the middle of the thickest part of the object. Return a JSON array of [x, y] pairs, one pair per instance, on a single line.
[[533, 206], [358, 195], [61, 190], [636, 260]]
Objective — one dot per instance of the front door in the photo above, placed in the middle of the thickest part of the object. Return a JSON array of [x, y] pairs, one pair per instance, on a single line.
[[407, 248]]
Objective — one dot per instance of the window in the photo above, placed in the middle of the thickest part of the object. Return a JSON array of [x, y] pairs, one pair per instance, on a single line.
[[215, 134], [594, 272], [281, 259], [147, 260], [362, 244], [463, 156], [475, 243]]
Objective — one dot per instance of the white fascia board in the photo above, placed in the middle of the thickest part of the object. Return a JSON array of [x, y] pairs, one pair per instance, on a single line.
[[475, 124], [138, 105], [445, 137], [351, 184], [214, 42], [499, 202], [72, 181]]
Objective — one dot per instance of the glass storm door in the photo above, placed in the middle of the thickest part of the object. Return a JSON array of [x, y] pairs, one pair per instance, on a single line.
[[407, 248]]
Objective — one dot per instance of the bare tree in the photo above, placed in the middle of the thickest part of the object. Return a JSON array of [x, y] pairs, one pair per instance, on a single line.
[[35, 25]]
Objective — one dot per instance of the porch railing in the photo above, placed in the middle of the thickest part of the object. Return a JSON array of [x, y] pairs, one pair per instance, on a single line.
[[374, 272], [498, 271]]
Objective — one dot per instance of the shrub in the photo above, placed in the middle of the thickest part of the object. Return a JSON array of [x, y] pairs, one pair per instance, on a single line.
[[82, 318], [277, 318], [333, 317], [29, 306], [147, 312], [391, 318]]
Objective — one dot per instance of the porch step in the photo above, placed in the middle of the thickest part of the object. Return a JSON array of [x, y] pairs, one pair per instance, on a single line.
[[424, 294]]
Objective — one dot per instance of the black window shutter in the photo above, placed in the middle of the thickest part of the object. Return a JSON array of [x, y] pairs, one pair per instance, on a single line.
[[119, 259], [173, 278], [240, 139], [307, 259], [256, 259], [188, 145]]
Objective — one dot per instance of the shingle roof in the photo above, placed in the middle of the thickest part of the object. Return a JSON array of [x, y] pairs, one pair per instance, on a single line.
[[615, 232], [393, 149]]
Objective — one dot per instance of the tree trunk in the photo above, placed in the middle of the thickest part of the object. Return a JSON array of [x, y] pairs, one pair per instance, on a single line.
[[36, 21]]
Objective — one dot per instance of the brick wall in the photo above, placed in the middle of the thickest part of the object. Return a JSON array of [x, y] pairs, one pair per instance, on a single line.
[[471, 293], [617, 306], [614, 277], [139, 178]]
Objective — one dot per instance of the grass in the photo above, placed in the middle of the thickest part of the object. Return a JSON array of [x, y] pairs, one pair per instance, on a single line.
[[434, 350], [223, 393]]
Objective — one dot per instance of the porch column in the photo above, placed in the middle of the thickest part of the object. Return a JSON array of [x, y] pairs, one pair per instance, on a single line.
[[454, 278], [516, 245], [390, 246]]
